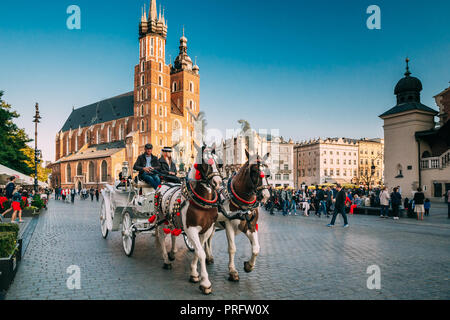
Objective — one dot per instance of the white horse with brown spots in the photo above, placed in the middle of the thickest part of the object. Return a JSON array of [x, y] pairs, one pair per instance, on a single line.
[[191, 207], [241, 197]]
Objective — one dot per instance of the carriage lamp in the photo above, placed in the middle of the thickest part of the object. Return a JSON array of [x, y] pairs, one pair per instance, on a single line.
[[125, 169]]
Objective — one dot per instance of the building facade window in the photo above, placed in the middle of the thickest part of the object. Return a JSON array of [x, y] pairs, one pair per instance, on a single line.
[[69, 173], [91, 170], [79, 169], [104, 171]]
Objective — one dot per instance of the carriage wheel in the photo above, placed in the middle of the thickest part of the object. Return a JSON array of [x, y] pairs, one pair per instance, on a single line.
[[103, 220], [188, 243], [128, 235]]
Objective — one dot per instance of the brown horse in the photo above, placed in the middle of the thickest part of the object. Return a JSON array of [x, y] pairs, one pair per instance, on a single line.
[[242, 195], [191, 207]]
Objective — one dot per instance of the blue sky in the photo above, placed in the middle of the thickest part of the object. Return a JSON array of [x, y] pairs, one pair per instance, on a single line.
[[307, 68]]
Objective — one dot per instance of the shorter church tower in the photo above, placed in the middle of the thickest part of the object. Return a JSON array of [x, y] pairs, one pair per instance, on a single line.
[[185, 96], [401, 147]]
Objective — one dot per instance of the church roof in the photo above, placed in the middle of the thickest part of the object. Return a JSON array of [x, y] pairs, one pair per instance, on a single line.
[[97, 151], [102, 111], [407, 106]]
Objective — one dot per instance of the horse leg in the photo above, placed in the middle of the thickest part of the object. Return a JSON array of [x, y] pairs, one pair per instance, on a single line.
[[193, 234], [173, 250], [162, 244], [253, 237], [234, 275], [208, 248]]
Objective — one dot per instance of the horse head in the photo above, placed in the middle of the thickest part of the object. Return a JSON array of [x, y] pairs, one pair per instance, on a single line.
[[255, 171], [206, 167]]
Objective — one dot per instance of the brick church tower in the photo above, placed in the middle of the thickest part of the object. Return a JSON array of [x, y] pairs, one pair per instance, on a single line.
[[163, 94]]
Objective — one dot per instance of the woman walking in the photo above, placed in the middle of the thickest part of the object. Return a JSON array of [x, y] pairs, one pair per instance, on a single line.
[[17, 197]]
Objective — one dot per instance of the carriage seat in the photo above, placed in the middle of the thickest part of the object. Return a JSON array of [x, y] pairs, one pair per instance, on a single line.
[[143, 184]]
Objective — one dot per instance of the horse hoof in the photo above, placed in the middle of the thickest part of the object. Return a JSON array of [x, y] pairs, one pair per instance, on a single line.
[[193, 279], [205, 291], [209, 261], [171, 256], [167, 266], [234, 277], [247, 267]]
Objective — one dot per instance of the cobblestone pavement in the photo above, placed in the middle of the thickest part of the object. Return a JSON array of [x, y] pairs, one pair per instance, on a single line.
[[300, 259]]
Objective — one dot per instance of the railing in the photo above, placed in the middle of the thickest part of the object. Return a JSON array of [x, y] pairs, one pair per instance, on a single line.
[[436, 162]]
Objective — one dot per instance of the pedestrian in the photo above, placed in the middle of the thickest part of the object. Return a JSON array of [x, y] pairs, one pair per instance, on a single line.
[[419, 198], [97, 194], [339, 207], [396, 201], [16, 198], [329, 199], [384, 202], [292, 204], [9, 192], [91, 193], [322, 204], [284, 200], [56, 193], [427, 206], [63, 195], [72, 195]]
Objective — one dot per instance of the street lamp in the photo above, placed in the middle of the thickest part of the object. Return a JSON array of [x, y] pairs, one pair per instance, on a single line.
[[36, 121]]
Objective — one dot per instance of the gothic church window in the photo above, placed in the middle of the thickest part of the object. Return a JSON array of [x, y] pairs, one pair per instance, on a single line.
[[104, 170]]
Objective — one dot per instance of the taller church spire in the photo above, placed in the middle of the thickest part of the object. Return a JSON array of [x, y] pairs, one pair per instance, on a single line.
[[152, 14]]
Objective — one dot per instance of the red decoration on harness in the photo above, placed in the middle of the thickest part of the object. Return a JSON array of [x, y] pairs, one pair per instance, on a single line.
[[178, 214], [152, 218], [198, 175], [261, 174], [179, 200], [196, 166], [176, 232], [256, 227], [166, 231], [159, 186], [156, 196], [210, 161]]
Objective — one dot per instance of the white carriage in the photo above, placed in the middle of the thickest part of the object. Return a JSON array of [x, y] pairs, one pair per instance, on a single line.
[[128, 206]]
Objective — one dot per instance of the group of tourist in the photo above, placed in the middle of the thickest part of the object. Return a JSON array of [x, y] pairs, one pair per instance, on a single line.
[[69, 194], [322, 200], [18, 199]]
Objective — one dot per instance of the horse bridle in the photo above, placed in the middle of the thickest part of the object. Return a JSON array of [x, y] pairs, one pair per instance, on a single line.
[[206, 176]]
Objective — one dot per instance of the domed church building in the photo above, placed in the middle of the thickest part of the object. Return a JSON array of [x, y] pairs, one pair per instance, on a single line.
[[416, 149]]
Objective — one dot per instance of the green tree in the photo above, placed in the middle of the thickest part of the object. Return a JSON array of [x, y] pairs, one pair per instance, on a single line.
[[13, 140], [41, 171]]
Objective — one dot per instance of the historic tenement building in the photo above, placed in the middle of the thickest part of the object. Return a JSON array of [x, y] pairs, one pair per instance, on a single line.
[[96, 139], [417, 150], [331, 160], [371, 162]]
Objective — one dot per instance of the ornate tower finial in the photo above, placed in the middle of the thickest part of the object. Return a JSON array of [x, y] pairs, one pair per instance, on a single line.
[[407, 73], [152, 14]]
